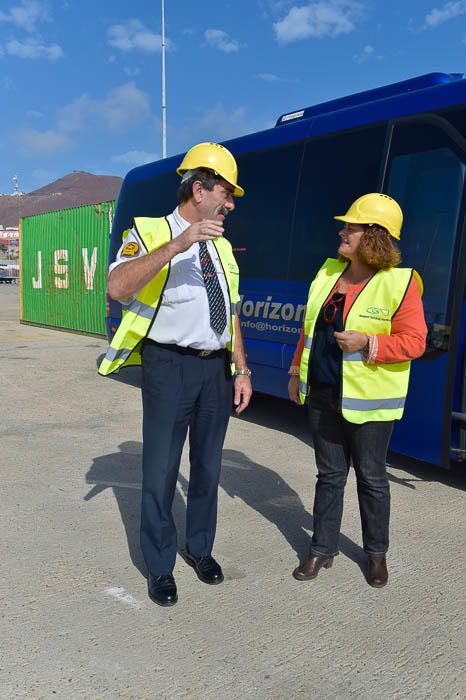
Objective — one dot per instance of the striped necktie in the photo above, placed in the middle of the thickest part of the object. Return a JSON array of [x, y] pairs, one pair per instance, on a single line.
[[217, 309]]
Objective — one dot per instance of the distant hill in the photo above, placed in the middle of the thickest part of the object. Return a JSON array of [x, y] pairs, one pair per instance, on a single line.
[[73, 190]]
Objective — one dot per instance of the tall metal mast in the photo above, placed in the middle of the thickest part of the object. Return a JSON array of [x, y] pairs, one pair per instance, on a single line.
[[164, 96]]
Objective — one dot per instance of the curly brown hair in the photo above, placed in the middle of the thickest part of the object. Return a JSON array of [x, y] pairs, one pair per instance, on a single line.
[[377, 248]]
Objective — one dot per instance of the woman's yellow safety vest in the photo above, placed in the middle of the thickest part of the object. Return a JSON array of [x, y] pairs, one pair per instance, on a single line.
[[139, 316], [368, 392]]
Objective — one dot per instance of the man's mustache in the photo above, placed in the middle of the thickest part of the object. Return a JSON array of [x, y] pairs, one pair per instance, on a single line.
[[224, 211]]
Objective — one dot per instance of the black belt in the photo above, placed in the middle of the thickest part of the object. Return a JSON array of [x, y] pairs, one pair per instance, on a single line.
[[186, 351]]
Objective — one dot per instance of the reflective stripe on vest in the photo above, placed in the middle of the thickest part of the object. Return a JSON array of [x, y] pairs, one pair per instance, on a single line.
[[369, 392], [372, 404], [357, 356], [113, 354], [140, 314], [140, 309]]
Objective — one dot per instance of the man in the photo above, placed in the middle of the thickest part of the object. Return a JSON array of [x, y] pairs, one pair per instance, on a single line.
[[178, 280]]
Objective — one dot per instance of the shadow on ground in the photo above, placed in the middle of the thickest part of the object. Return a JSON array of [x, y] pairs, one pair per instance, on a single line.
[[265, 491], [282, 415], [424, 472], [258, 486], [121, 471], [278, 414]]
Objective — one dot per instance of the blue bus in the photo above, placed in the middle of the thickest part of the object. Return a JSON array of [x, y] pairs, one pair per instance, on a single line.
[[407, 140]]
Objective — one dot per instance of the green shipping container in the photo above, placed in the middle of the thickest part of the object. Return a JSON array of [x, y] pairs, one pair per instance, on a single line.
[[63, 268]]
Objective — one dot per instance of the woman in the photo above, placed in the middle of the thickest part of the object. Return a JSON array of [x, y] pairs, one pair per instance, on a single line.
[[364, 323]]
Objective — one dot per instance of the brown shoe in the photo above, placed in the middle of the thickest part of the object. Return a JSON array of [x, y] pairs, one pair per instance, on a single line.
[[377, 573], [310, 568]]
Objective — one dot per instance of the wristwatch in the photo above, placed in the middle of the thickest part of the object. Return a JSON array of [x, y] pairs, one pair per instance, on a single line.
[[243, 372]]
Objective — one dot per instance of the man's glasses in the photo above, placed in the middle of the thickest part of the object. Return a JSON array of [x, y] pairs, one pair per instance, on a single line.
[[331, 307]]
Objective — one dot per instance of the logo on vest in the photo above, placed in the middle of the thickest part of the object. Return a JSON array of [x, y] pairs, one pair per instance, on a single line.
[[377, 311]]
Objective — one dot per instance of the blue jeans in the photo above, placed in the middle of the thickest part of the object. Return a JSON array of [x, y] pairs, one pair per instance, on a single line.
[[337, 442]]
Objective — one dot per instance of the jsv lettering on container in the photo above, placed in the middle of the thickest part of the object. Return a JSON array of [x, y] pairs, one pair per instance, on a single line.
[[61, 269]]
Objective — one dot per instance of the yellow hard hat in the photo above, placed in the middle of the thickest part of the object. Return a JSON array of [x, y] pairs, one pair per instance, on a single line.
[[215, 157], [375, 208]]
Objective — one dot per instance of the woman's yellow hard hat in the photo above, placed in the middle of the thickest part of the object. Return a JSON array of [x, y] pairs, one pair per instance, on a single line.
[[215, 157], [375, 208]]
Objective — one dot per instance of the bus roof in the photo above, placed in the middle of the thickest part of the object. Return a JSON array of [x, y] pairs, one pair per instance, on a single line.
[[360, 98], [425, 93]]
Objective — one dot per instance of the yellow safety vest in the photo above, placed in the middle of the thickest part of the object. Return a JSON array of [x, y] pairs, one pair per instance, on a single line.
[[139, 316], [368, 392]]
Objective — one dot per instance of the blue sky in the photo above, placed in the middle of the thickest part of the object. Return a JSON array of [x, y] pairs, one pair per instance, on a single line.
[[80, 80]]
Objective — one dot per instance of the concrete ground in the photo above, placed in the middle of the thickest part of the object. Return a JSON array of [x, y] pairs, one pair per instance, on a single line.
[[76, 619]]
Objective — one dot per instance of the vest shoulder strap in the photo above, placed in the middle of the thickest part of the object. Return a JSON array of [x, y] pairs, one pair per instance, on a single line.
[[400, 277], [333, 266], [403, 274], [222, 242], [154, 232], [419, 281]]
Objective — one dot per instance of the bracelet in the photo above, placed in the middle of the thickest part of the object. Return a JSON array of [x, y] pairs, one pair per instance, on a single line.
[[372, 349], [243, 372]]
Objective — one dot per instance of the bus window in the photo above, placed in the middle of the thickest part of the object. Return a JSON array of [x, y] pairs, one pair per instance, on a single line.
[[337, 169], [260, 227], [426, 177], [456, 117]]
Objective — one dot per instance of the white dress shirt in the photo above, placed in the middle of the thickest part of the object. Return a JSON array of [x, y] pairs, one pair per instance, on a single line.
[[183, 317]]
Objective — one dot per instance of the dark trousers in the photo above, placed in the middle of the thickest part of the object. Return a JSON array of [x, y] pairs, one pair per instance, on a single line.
[[337, 442], [181, 392]]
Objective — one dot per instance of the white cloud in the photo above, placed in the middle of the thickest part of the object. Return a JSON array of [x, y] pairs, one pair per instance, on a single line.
[[218, 39], [272, 78], [73, 116], [328, 18], [132, 72], [223, 124], [34, 49], [133, 158], [123, 106], [274, 7], [134, 36], [218, 124], [448, 11], [41, 143], [26, 15], [269, 77], [367, 53]]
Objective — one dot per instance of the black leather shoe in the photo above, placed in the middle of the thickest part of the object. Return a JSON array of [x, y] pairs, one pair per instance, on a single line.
[[206, 568], [162, 589]]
